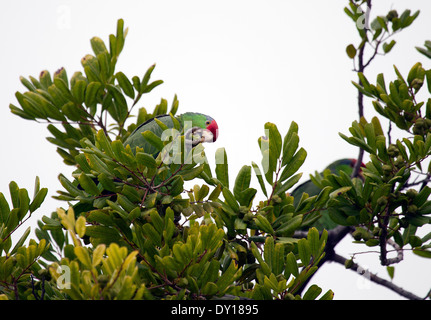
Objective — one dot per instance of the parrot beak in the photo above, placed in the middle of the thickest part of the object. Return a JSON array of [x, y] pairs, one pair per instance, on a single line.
[[198, 135]]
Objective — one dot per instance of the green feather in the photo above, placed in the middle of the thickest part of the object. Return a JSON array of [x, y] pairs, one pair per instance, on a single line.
[[324, 222]]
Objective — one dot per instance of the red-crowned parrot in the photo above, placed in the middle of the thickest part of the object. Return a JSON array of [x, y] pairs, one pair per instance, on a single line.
[[198, 128], [324, 222]]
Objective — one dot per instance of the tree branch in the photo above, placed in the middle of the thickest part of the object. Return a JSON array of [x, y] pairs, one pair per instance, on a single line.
[[361, 68], [374, 278]]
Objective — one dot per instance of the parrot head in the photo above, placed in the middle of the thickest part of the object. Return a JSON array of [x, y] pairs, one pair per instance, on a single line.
[[199, 127]]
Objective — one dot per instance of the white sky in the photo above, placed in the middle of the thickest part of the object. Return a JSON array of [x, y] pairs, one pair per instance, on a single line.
[[242, 62]]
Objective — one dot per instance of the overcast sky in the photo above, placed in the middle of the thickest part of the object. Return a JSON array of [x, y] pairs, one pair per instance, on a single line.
[[242, 62]]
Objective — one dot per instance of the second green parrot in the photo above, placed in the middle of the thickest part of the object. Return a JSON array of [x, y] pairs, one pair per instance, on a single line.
[[324, 222]]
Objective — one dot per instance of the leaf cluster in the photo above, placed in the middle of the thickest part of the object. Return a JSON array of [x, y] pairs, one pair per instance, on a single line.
[[388, 204], [78, 107], [131, 229], [379, 31]]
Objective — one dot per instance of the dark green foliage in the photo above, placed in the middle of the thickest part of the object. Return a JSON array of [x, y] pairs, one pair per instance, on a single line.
[[157, 222]]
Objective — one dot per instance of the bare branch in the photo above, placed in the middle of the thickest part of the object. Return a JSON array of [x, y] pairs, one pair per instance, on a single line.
[[376, 279], [398, 249]]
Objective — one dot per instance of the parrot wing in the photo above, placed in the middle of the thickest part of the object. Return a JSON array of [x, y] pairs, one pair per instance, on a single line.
[[324, 221], [136, 139]]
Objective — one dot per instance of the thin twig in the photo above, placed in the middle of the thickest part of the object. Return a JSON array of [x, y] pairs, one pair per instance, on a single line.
[[361, 68]]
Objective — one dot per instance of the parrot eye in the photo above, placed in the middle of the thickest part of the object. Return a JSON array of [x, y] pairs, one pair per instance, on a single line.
[[207, 123]]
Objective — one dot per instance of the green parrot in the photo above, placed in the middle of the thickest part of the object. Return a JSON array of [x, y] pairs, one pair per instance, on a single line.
[[324, 222], [198, 128]]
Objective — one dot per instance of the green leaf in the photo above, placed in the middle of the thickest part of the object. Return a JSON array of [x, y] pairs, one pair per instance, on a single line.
[[21, 241], [4, 209], [202, 192], [153, 139], [364, 82], [14, 193], [215, 193], [230, 199], [275, 144], [91, 96], [125, 84], [80, 226], [104, 71], [227, 278], [422, 196], [73, 112], [176, 186], [329, 295], [288, 228], [104, 143], [192, 173], [152, 85], [242, 181], [294, 165], [157, 221], [146, 78], [161, 124], [263, 265], [151, 234], [278, 259], [17, 111], [263, 224], [83, 256], [96, 164], [415, 72], [119, 43], [246, 197], [351, 51], [78, 91], [259, 178], [422, 253], [121, 108], [102, 233], [357, 142], [288, 184], [98, 254], [383, 23], [304, 251], [88, 184], [391, 271], [323, 197], [291, 264], [38, 199], [146, 160], [289, 148], [24, 203], [361, 89], [98, 45], [312, 292], [221, 169], [264, 149]]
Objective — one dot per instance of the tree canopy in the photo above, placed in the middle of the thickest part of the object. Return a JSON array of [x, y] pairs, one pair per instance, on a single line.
[[135, 224]]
